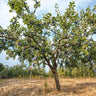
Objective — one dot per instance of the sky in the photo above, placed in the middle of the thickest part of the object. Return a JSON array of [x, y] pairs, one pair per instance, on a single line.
[[46, 6]]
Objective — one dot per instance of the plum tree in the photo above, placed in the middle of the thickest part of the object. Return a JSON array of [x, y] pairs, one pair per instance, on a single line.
[[71, 43]]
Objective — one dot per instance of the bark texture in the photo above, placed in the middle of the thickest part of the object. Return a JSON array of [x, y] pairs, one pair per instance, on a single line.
[[56, 79]]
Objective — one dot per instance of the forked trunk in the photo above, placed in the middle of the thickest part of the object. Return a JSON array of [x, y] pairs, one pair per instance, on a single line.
[[56, 79]]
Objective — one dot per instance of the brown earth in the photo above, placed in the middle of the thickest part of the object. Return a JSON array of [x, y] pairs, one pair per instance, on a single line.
[[69, 87]]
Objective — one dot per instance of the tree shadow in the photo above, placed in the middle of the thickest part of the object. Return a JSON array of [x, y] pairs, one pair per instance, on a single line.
[[78, 88]]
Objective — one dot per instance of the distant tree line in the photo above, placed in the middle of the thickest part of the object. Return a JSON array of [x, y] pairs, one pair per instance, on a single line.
[[20, 71], [79, 71]]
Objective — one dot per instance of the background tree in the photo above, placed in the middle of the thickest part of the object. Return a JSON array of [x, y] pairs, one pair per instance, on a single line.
[[1, 67], [53, 40]]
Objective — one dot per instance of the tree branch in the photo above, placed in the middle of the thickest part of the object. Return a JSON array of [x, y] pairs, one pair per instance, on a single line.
[[8, 37], [32, 37], [47, 61], [56, 51]]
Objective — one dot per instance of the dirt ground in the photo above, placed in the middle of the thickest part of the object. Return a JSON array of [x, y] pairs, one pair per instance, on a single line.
[[69, 87]]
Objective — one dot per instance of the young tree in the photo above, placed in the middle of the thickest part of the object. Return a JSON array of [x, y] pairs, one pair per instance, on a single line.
[[52, 40]]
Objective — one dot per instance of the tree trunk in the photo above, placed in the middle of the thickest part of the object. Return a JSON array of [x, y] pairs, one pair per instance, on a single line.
[[56, 79]]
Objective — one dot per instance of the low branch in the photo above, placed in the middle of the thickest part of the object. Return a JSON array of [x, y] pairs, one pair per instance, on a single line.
[[8, 37], [32, 37], [47, 61]]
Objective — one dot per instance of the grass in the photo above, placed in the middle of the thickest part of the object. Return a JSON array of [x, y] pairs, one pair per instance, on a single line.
[[2, 81], [69, 87]]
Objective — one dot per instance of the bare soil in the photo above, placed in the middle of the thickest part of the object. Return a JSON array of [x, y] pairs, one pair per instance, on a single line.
[[35, 87]]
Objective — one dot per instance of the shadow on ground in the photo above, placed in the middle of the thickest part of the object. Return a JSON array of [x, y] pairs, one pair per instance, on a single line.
[[79, 88]]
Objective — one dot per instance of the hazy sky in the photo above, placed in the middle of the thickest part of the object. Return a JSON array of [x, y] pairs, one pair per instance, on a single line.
[[46, 6]]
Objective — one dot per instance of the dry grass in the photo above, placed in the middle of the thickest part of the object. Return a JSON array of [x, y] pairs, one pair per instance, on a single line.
[[69, 87]]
